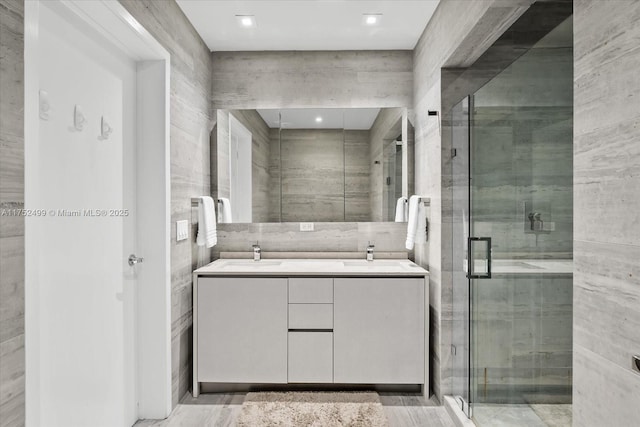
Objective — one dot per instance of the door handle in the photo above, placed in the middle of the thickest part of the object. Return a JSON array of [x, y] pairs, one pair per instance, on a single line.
[[133, 260], [471, 272]]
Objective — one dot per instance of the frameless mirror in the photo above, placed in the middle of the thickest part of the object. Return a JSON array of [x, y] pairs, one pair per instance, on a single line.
[[311, 165]]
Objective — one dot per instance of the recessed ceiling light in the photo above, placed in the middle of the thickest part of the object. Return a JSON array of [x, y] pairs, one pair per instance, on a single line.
[[318, 119], [371, 18], [246, 21]]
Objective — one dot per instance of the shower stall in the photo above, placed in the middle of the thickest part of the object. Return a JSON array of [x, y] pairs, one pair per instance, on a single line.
[[511, 239]]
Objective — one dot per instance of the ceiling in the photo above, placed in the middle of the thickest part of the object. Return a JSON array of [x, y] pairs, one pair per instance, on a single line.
[[309, 24], [332, 118]]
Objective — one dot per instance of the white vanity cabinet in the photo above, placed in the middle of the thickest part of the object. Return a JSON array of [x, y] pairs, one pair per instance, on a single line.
[[242, 330], [379, 331], [367, 324]]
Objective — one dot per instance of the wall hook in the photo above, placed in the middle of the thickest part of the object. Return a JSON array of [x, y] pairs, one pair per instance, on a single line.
[[78, 117], [105, 128], [45, 105]]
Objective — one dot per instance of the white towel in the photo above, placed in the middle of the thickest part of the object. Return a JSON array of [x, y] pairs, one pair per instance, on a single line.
[[402, 209], [207, 232], [224, 210], [421, 229], [412, 222]]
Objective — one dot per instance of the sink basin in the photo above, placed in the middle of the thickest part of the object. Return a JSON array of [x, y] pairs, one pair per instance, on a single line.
[[252, 263], [313, 264], [375, 263]]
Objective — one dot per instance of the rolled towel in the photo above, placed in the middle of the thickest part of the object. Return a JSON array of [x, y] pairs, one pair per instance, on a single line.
[[401, 209], [412, 222], [207, 231], [224, 210]]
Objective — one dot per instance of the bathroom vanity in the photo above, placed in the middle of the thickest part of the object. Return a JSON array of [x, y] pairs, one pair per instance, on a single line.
[[313, 322]]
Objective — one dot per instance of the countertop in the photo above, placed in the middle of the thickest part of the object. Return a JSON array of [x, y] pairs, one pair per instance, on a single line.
[[313, 267]]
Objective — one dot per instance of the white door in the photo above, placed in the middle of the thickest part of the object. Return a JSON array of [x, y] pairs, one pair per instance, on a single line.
[[86, 186], [240, 168]]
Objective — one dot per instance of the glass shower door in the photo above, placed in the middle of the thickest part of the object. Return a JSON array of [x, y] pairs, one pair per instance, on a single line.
[[460, 339], [519, 245]]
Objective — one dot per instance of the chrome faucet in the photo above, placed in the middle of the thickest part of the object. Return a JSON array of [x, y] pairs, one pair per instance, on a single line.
[[256, 252], [370, 252], [537, 224]]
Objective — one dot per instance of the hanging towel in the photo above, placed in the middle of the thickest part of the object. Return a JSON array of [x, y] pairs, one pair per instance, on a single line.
[[421, 229], [207, 232], [412, 222], [224, 210], [401, 209]]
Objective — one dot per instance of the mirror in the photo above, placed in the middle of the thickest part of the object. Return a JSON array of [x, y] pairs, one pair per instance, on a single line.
[[311, 165]]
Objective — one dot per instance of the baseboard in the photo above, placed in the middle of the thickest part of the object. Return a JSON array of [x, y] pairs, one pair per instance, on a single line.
[[243, 388]]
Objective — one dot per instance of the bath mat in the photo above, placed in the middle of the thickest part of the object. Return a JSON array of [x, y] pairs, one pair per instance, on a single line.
[[312, 409]]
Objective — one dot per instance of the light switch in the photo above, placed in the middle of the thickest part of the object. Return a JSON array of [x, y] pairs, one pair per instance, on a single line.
[[182, 230]]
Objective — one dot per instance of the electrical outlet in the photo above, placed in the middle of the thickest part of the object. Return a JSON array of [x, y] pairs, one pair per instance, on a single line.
[[182, 230], [306, 226]]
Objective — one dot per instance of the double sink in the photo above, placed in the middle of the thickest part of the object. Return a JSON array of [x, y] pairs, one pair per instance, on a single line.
[[316, 265]]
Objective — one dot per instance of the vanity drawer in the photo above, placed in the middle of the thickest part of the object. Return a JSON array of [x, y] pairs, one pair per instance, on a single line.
[[317, 290], [310, 316], [310, 357]]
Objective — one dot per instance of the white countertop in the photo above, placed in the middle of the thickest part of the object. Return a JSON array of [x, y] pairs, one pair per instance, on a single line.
[[312, 267]]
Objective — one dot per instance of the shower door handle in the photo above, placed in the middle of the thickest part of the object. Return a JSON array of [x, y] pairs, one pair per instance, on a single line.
[[472, 272]]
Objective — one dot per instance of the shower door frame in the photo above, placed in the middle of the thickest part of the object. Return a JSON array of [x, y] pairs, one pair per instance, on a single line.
[[464, 402]]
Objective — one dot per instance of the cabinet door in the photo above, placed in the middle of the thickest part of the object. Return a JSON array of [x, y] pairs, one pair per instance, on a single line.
[[310, 357], [242, 330], [379, 331]]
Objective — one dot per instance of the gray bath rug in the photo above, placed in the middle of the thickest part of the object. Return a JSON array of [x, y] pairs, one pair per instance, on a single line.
[[312, 409]]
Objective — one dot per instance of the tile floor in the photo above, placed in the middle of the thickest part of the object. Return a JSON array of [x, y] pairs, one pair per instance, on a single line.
[[512, 415], [221, 410]]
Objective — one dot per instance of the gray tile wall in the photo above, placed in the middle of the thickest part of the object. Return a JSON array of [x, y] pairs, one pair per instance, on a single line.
[[325, 175], [458, 33], [607, 219], [357, 175], [312, 173], [327, 237], [312, 79], [12, 365], [274, 172], [191, 122]]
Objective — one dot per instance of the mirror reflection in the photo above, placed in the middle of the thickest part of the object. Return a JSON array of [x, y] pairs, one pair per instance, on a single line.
[[311, 165]]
